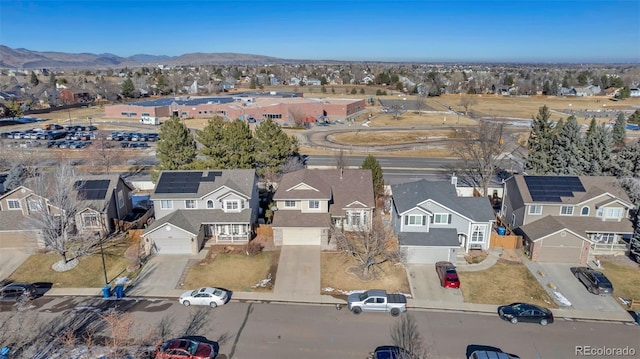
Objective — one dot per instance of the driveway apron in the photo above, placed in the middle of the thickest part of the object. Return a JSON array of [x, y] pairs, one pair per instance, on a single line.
[[11, 259], [425, 285], [298, 271], [163, 272]]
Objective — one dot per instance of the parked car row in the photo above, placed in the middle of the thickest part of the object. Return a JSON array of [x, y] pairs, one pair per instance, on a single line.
[[38, 134], [133, 137], [68, 144], [126, 144]]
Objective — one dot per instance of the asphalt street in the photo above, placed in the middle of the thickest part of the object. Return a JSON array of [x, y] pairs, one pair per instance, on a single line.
[[256, 330]]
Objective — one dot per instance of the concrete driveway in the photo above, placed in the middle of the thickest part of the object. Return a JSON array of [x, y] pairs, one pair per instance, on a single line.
[[11, 259], [298, 271], [425, 285], [571, 288], [160, 275]]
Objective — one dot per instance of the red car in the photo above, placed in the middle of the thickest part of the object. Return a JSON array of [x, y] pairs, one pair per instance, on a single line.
[[448, 275], [185, 349]]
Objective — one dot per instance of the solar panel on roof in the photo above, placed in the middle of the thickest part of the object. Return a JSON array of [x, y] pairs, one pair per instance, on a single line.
[[551, 189], [179, 182], [92, 189]]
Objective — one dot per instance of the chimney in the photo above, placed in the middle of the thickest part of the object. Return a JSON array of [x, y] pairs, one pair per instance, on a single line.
[[454, 179]]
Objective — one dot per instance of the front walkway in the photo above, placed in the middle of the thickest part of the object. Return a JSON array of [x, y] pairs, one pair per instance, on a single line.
[[492, 258], [298, 271]]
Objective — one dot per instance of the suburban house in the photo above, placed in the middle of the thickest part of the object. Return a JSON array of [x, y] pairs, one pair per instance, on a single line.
[[566, 218], [105, 198], [193, 206], [634, 92], [310, 201], [15, 230], [433, 222]]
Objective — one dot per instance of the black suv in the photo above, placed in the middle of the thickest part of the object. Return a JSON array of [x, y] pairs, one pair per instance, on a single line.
[[15, 292], [596, 282]]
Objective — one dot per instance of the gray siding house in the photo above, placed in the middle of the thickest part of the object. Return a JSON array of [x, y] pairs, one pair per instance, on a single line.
[[567, 218], [194, 206], [433, 223]]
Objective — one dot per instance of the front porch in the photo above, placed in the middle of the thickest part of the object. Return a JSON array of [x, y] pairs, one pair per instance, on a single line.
[[227, 233]]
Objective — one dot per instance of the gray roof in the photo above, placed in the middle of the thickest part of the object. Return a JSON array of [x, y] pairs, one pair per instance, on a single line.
[[191, 219], [593, 185], [436, 237], [582, 226], [238, 180], [407, 196], [288, 218], [101, 205]]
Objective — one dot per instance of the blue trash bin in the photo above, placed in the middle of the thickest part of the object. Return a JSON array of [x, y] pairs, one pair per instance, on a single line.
[[4, 353], [106, 291], [502, 231], [119, 291]]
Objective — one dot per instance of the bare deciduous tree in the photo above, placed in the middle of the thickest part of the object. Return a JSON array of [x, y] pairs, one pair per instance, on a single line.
[[370, 246], [297, 116], [479, 147], [421, 102], [53, 208], [104, 152], [341, 160], [467, 101], [406, 335]]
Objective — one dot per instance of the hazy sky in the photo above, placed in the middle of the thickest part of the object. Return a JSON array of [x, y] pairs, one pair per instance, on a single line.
[[515, 30]]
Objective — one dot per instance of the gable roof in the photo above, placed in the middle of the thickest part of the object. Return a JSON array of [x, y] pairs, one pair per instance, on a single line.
[[343, 187], [439, 237], [593, 186], [408, 195], [96, 191], [190, 220], [582, 226], [203, 182]]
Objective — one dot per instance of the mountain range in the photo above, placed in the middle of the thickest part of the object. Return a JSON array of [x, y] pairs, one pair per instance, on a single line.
[[28, 59]]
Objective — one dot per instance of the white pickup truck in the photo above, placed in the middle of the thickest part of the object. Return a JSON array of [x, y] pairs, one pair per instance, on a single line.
[[377, 300]]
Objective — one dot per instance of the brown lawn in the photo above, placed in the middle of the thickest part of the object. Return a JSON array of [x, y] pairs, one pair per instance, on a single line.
[[430, 152], [385, 137], [234, 271], [334, 274], [503, 284], [625, 279], [87, 274]]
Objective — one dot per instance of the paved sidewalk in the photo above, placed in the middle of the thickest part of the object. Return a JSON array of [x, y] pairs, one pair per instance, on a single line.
[[492, 258]]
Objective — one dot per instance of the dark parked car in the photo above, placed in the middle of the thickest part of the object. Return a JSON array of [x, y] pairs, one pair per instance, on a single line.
[[596, 282], [523, 312], [447, 274], [15, 292], [185, 348], [389, 352]]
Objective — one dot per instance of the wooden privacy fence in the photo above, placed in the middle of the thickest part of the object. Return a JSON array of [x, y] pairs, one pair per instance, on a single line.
[[506, 241]]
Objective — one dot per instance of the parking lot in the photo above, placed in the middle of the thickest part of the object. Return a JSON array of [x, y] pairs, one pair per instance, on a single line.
[[74, 137], [571, 288]]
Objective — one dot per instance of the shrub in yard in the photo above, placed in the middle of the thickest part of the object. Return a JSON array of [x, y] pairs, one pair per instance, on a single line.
[[253, 248]]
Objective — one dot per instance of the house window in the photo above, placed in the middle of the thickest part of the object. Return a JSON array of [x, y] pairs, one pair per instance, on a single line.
[[166, 204], [355, 218], [34, 205], [232, 205], [535, 209], [314, 204], [513, 219], [566, 210], [584, 211], [120, 199], [441, 218], [414, 220], [607, 238], [210, 204], [90, 220], [13, 204], [237, 229], [289, 204], [190, 204], [615, 212], [478, 232]]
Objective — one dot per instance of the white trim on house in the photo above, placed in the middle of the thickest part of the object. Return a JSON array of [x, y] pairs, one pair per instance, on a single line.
[[447, 208], [414, 208], [164, 225]]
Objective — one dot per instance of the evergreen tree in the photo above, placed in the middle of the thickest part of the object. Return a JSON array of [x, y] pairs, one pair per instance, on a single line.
[[619, 129], [34, 79], [272, 146], [13, 109], [568, 148], [253, 84], [239, 146], [635, 117], [127, 89], [627, 162], [540, 143], [176, 145], [17, 174], [598, 150], [371, 163], [211, 138]]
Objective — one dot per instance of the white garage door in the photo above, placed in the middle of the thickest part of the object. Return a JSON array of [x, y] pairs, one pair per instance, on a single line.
[[429, 255], [301, 236], [172, 245]]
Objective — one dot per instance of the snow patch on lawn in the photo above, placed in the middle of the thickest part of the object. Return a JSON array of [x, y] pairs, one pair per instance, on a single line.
[[348, 292]]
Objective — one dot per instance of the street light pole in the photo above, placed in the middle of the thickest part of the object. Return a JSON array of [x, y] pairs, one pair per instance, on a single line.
[[104, 265]]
